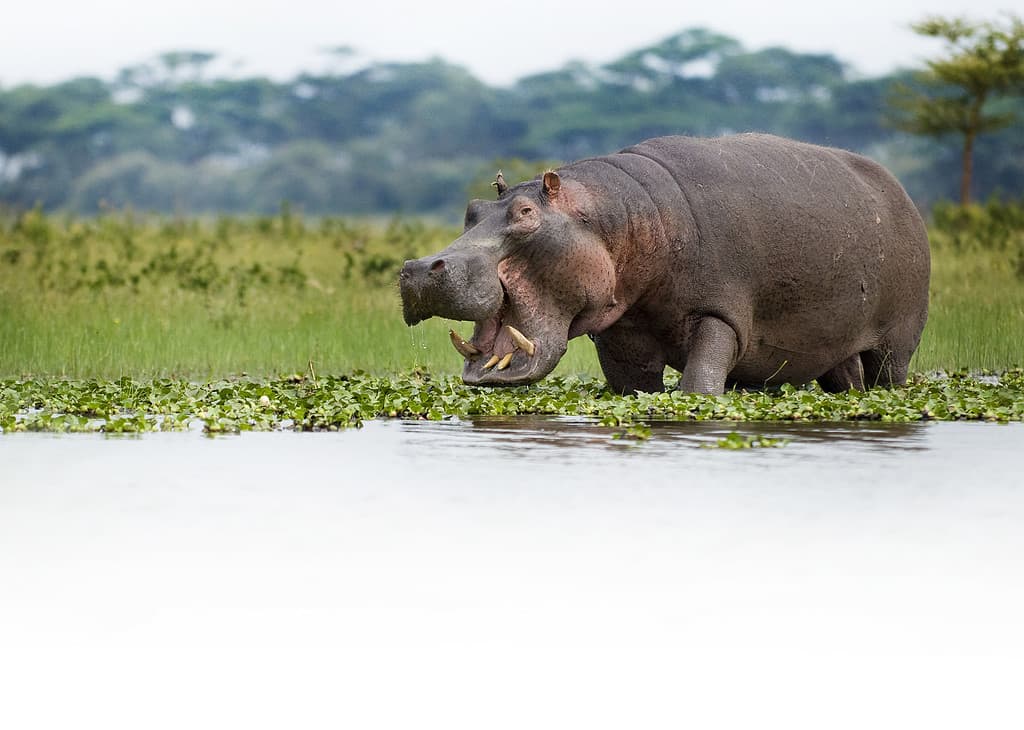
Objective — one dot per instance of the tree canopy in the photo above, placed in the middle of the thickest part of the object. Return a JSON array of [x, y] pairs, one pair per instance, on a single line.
[[959, 92], [169, 135]]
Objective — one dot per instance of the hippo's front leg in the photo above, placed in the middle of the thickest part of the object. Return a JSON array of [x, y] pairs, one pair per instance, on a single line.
[[631, 359], [710, 357]]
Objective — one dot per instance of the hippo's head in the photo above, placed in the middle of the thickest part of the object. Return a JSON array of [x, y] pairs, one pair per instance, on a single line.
[[528, 270]]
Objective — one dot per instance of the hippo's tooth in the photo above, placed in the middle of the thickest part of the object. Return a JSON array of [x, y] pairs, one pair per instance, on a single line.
[[521, 341], [492, 362], [465, 349], [505, 361]]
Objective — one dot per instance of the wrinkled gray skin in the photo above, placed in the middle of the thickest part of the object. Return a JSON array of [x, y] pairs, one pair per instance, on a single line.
[[749, 260]]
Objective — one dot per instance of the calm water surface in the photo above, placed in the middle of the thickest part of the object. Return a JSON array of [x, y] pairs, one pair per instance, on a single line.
[[514, 573]]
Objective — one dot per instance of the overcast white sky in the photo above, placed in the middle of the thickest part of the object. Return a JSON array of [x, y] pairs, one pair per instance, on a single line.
[[499, 40]]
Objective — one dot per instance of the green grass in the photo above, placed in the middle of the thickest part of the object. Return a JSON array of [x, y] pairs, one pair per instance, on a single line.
[[122, 295], [976, 311]]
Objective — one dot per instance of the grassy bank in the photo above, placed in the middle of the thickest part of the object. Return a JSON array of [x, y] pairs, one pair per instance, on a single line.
[[123, 295]]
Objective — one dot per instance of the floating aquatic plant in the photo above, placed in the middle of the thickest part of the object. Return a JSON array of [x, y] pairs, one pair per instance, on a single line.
[[326, 403]]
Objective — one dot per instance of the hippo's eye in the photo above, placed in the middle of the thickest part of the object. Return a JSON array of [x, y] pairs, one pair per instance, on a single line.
[[522, 216]]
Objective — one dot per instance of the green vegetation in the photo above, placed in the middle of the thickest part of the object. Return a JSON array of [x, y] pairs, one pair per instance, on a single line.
[[313, 403], [378, 138], [976, 312], [310, 403], [984, 61], [120, 295], [123, 295]]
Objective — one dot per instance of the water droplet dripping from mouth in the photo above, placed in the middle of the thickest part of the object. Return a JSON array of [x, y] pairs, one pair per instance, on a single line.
[[418, 339]]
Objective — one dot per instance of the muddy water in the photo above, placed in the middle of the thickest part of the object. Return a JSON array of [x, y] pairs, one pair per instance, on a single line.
[[514, 573]]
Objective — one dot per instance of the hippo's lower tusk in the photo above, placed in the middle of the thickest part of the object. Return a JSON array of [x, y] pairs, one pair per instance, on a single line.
[[491, 363], [505, 361], [521, 341], [465, 349]]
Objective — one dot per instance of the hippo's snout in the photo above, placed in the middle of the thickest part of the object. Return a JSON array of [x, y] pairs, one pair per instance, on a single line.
[[418, 283], [451, 284]]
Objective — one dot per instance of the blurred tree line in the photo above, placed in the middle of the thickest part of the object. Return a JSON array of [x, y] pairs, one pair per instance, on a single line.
[[418, 137]]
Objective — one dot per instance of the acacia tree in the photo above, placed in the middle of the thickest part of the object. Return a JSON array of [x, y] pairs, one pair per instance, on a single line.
[[983, 62]]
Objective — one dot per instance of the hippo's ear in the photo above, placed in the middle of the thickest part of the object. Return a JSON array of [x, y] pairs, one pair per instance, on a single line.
[[500, 184], [552, 183]]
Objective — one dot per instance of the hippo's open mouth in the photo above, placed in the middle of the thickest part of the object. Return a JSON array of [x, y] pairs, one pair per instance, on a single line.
[[505, 350]]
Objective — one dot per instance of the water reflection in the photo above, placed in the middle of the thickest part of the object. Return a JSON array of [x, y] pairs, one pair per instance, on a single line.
[[523, 436]]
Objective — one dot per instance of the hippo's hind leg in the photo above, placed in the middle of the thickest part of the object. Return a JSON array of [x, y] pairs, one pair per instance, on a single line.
[[880, 366], [885, 366], [631, 359], [888, 363], [844, 376]]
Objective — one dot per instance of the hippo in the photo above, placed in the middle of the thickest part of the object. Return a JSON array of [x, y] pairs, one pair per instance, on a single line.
[[741, 261]]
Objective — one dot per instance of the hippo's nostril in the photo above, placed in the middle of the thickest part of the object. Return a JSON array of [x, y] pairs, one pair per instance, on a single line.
[[437, 266]]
